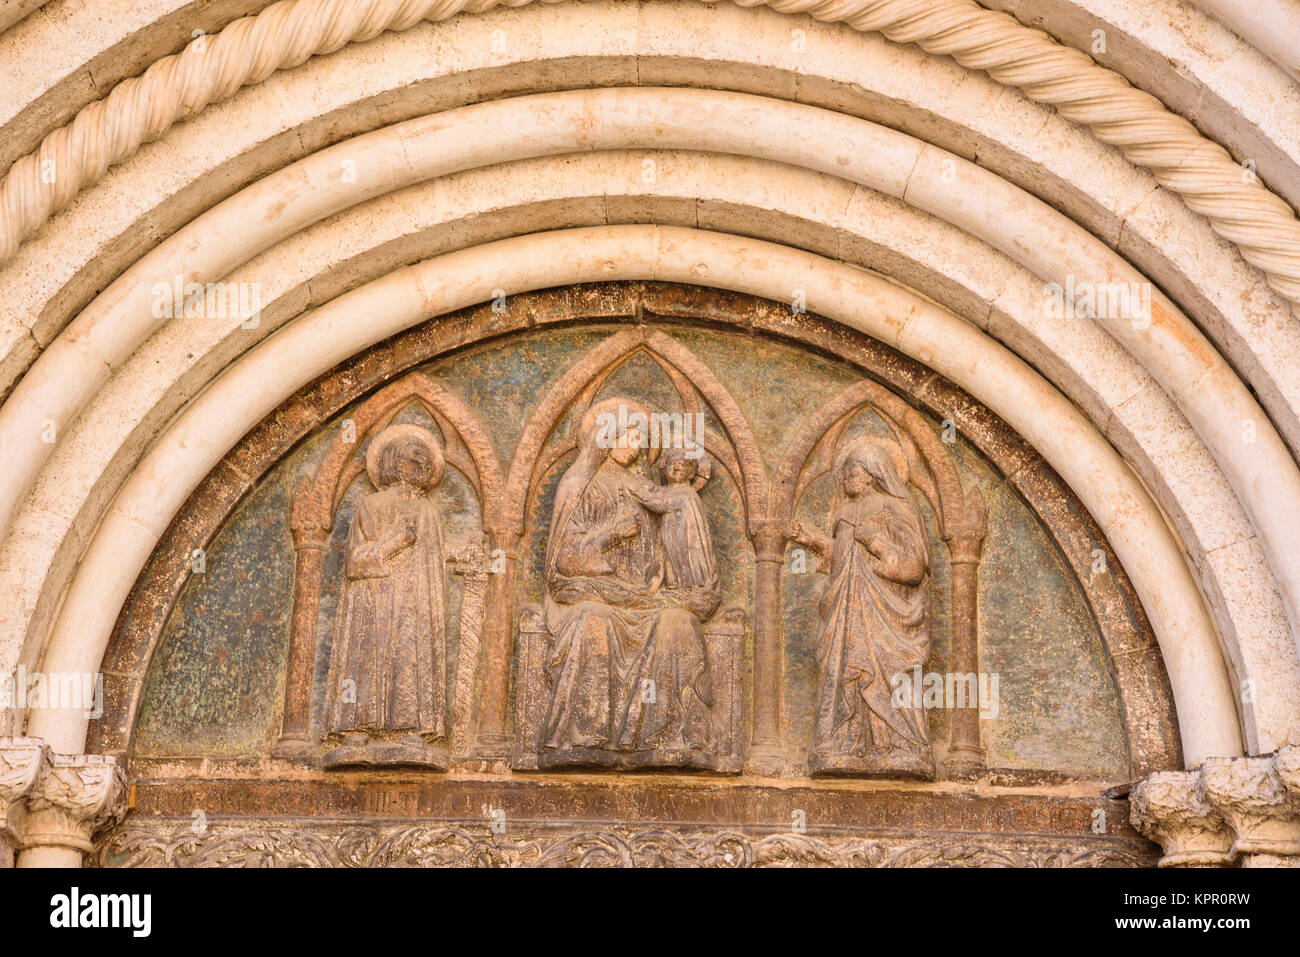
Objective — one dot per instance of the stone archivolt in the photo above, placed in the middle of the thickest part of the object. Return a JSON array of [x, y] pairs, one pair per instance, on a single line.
[[1230, 810], [1240, 463], [288, 33], [1225, 627]]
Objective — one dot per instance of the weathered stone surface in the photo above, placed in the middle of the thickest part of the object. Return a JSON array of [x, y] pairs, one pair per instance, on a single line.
[[507, 400]]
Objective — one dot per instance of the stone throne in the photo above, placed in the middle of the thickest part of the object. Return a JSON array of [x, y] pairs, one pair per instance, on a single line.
[[731, 447], [724, 641]]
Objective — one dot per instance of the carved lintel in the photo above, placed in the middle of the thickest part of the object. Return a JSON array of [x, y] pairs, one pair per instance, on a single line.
[[1169, 808], [75, 796], [22, 762], [154, 842], [1250, 795]]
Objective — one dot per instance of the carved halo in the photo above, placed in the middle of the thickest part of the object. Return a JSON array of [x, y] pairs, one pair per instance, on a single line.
[[895, 452], [394, 432], [586, 423]]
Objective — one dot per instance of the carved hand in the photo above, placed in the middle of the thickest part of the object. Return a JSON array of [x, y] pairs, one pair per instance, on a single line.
[[367, 561], [876, 544], [799, 532], [625, 528]]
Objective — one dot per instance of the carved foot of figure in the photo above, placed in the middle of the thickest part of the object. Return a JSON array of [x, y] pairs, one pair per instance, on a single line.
[[291, 747], [409, 751], [896, 764], [556, 758]]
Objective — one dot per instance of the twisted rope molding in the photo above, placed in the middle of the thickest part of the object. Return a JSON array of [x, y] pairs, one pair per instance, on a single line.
[[289, 32]]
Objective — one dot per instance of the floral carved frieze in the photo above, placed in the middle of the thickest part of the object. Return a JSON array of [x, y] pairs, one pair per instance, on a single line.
[[294, 844]]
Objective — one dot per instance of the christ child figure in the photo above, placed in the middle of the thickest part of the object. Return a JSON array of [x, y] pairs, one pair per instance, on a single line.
[[690, 570]]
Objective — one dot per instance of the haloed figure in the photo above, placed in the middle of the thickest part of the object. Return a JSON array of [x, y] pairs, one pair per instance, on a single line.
[[386, 692], [690, 571], [629, 676], [875, 620]]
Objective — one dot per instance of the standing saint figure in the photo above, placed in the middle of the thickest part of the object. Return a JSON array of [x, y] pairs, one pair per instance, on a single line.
[[875, 621], [629, 675], [387, 677]]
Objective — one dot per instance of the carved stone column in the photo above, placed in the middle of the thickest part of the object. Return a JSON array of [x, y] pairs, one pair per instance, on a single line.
[[76, 794], [965, 756], [1252, 798], [311, 536], [22, 762], [1230, 811], [1169, 808], [494, 740], [765, 753], [472, 566]]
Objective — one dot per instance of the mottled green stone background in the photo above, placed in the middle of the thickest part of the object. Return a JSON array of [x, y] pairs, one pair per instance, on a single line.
[[215, 685]]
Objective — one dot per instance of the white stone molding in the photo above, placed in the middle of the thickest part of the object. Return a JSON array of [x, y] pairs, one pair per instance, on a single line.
[[23, 761], [433, 66], [735, 195], [288, 33], [1194, 64], [1243, 810], [11, 11], [1272, 26], [1230, 504], [746, 125]]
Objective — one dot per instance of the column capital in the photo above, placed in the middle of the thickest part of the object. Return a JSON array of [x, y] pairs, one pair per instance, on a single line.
[[966, 548], [1169, 808], [76, 794], [1230, 810], [769, 540], [1252, 798], [1287, 764], [22, 763]]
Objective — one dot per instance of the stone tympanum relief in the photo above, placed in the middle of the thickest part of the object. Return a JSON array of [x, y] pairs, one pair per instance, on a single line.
[[874, 619], [561, 595], [383, 652], [387, 673], [631, 580]]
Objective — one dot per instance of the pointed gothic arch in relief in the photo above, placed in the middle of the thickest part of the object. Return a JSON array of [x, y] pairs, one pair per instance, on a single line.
[[316, 501]]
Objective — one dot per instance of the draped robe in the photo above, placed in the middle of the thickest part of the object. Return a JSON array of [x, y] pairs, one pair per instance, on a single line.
[[872, 628], [627, 661], [389, 635]]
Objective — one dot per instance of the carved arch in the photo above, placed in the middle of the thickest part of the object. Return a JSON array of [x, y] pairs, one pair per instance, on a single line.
[[809, 456], [316, 499], [578, 386], [960, 514]]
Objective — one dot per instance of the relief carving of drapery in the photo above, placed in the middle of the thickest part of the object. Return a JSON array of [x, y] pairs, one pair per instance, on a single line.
[[732, 684], [628, 658]]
